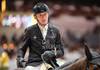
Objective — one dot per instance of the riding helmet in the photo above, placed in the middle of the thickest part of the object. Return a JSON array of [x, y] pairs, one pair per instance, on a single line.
[[40, 7]]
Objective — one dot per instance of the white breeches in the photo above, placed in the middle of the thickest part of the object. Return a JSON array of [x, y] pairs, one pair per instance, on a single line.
[[40, 67], [32, 68]]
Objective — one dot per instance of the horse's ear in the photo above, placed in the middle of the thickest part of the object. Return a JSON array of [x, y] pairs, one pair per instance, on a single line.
[[87, 52]]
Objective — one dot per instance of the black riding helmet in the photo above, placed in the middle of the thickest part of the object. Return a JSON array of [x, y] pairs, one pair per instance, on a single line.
[[40, 7]]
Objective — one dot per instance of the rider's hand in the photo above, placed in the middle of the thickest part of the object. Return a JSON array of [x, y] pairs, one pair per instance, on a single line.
[[47, 55], [20, 62]]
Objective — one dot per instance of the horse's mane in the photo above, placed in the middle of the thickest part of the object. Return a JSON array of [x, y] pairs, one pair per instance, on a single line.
[[77, 65]]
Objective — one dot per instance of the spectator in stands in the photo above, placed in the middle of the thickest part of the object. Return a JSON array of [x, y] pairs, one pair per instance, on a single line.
[[4, 39]]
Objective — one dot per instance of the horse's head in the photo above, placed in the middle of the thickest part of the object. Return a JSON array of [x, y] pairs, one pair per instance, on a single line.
[[93, 59], [91, 62]]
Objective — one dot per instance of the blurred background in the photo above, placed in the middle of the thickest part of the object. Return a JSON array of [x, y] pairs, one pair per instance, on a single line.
[[76, 20]]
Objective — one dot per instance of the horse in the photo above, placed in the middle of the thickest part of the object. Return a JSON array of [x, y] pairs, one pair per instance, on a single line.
[[91, 61]]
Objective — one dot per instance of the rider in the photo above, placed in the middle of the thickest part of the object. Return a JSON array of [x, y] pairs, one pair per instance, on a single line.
[[43, 40]]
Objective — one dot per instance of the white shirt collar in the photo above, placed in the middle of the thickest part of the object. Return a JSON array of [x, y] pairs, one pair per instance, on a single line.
[[43, 28]]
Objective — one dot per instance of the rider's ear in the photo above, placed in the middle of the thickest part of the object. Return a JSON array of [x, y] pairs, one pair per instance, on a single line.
[[87, 52]]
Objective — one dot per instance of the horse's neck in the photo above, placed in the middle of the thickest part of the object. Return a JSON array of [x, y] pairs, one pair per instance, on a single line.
[[80, 64]]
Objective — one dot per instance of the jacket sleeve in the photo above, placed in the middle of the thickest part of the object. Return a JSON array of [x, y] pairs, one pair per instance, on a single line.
[[59, 51], [23, 45]]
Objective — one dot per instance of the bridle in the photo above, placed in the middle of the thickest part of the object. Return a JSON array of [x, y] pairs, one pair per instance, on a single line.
[[95, 66]]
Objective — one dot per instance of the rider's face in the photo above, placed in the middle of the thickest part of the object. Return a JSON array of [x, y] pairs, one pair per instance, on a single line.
[[42, 18]]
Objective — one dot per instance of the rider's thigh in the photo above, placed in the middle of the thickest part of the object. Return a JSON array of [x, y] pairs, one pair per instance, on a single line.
[[32, 68]]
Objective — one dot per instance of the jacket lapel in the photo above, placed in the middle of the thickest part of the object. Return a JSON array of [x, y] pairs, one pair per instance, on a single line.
[[48, 32], [38, 32]]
